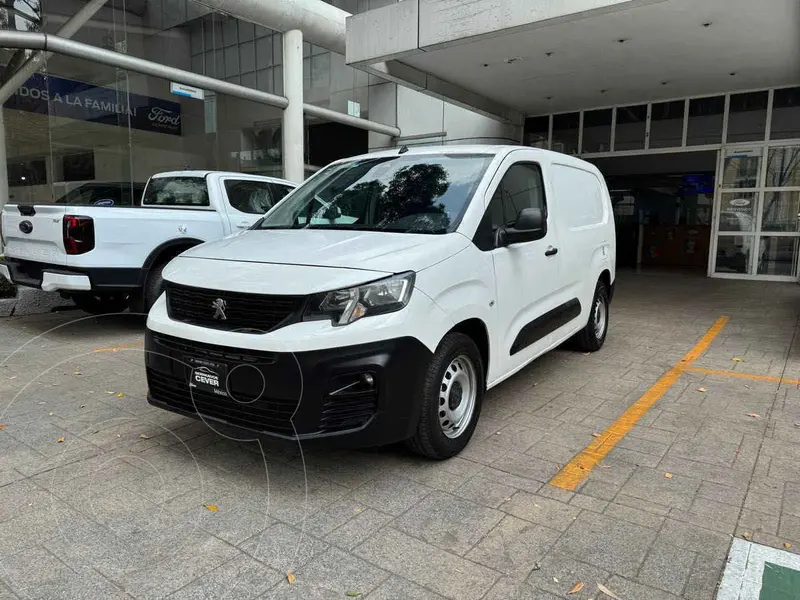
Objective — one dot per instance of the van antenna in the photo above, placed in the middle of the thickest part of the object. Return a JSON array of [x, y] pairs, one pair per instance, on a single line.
[[403, 149]]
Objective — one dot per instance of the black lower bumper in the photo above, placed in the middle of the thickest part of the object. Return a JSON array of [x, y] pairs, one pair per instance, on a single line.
[[323, 395], [29, 273]]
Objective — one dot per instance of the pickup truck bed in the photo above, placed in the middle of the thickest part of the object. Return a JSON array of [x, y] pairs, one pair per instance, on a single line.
[[109, 258]]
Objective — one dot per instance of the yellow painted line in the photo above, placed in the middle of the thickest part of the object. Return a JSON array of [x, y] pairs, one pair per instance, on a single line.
[[579, 467], [742, 375], [118, 348]]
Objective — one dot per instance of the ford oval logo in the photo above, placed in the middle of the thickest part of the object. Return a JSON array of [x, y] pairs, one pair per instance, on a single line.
[[26, 226]]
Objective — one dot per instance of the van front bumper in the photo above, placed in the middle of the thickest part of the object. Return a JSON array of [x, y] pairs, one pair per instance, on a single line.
[[353, 396]]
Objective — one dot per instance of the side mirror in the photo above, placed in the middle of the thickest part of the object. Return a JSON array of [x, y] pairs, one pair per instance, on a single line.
[[529, 226]]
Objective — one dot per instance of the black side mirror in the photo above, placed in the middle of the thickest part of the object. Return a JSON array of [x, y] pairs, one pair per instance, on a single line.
[[530, 225]]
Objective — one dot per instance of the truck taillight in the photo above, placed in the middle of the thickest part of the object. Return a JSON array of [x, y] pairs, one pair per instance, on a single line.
[[78, 234]]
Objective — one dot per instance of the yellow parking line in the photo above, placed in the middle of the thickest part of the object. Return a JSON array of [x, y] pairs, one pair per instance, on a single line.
[[118, 348], [579, 467], [742, 375]]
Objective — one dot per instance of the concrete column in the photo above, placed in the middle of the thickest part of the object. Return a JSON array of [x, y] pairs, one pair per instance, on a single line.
[[3, 166], [292, 132]]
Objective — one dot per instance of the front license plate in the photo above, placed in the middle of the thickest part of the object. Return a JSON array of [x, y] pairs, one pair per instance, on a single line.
[[209, 377]]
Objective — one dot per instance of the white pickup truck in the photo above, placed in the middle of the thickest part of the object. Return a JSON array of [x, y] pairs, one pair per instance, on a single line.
[[108, 257]]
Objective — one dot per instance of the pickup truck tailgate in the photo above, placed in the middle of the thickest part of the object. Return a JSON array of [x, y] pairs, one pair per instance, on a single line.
[[35, 233]]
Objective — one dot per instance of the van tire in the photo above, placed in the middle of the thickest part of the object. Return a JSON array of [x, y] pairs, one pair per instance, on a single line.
[[430, 439], [144, 299], [593, 336]]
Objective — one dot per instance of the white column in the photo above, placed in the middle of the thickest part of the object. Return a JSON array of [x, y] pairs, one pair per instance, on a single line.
[[292, 132]]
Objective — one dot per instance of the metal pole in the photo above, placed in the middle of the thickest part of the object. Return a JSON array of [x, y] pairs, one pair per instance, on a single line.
[[337, 117], [30, 66], [293, 132]]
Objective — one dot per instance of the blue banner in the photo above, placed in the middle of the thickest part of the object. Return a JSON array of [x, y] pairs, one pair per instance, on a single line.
[[60, 97]]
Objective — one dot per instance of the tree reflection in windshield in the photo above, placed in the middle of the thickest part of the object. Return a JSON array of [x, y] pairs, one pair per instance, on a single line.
[[410, 194]]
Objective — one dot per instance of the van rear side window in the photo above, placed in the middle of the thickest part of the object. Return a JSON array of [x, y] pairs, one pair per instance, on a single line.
[[579, 194], [188, 192]]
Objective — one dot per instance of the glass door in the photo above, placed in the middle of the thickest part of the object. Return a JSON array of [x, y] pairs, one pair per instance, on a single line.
[[758, 212], [779, 225], [737, 211]]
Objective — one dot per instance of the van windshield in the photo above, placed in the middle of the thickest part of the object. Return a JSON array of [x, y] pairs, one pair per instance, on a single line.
[[404, 193]]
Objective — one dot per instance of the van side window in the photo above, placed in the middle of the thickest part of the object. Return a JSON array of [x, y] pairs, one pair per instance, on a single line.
[[521, 187]]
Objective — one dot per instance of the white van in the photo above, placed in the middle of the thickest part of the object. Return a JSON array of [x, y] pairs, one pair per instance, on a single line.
[[383, 297]]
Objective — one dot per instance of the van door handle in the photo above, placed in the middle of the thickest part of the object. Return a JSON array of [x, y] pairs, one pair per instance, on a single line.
[[551, 251]]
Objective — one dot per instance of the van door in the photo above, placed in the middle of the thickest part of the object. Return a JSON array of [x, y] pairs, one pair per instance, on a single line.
[[527, 275]]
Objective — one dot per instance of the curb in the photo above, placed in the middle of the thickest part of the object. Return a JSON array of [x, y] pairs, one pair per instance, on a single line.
[[30, 301]]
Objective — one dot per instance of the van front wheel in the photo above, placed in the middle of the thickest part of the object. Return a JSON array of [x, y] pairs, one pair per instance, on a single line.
[[452, 395], [592, 337]]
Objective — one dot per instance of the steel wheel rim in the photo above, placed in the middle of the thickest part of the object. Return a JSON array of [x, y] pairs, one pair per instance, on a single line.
[[457, 396], [600, 318]]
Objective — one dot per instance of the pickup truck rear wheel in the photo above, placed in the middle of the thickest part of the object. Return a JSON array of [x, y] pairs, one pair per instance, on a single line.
[[452, 394], [101, 304], [143, 300]]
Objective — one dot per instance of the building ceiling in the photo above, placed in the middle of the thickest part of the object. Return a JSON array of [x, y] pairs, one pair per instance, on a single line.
[[668, 49]]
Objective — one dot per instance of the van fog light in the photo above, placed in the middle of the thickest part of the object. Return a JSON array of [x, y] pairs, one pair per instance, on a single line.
[[354, 383]]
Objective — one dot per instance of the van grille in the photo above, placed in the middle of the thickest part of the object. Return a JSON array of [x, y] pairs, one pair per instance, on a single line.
[[250, 313]]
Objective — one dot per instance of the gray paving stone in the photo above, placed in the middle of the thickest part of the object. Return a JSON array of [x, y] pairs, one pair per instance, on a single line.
[[753, 521], [484, 491], [240, 578], [444, 573], [448, 522], [625, 588], [558, 573], [614, 545], [789, 527], [341, 572], [526, 466], [510, 480], [695, 539], [390, 494], [542, 511], [508, 588], [703, 579], [667, 567], [37, 574], [514, 546], [396, 588], [634, 515], [653, 485], [550, 491], [722, 493], [283, 547], [601, 490], [588, 503], [358, 529]]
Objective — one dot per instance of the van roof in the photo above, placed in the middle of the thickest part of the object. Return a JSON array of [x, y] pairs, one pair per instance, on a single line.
[[494, 150]]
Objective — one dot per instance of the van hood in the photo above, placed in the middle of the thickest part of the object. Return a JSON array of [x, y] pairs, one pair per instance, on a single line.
[[365, 250]]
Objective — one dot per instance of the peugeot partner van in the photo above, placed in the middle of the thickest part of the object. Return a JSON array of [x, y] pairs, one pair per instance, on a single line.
[[381, 299]]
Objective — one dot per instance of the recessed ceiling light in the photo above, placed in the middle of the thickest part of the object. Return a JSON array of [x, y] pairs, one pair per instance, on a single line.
[[548, 97], [485, 64], [732, 73], [603, 91], [514, 59], [708, 24], [548, 54], [623, 40], [664, 82]]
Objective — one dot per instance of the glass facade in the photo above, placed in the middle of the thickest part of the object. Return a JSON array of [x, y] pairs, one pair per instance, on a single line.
[[76, 122]]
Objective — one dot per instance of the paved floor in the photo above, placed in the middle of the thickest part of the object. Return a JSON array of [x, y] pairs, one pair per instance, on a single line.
[[102, 496]]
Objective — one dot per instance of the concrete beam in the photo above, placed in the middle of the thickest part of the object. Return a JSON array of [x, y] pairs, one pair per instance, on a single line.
[[426, 83]]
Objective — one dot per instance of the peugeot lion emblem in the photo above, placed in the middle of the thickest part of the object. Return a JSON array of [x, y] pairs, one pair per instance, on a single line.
[[219, 305]]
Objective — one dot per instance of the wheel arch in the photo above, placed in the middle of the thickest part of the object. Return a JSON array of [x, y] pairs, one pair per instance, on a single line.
[[476, 329], [170, 250]]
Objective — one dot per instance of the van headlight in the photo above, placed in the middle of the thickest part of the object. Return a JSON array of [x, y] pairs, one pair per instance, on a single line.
[[349, 305]]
